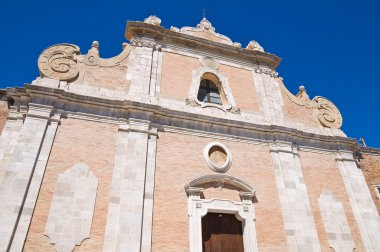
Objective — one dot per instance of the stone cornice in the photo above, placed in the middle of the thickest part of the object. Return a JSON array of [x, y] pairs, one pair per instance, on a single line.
[[66, 103], [369, 150], [165, 36]]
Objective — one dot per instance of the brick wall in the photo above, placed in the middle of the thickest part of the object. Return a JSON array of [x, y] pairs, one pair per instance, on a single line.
[[321, 172], [177, 76], [370, 164], [180, 159]]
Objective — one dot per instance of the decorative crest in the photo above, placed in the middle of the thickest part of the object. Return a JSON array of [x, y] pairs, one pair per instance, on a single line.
[[205, 30], [328, 114], [154, 20], [254, 46], [59, 62]]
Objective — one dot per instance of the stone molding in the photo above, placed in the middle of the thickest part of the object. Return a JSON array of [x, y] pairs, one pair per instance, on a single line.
[[168, 37], [92, 57], [217, 180], [94, 108], [223, 84], [39, 111], [210, 164], [243, 211], [284, 147]]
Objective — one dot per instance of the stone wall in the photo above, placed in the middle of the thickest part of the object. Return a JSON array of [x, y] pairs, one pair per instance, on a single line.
[[370, 164], [3, 114], [77, 141], [180, 159]]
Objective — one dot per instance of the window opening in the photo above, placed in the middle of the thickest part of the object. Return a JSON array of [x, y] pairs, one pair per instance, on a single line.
[[208, 92]]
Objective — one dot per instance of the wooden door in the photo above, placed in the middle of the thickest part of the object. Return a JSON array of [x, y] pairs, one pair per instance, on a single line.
[[222, 233]]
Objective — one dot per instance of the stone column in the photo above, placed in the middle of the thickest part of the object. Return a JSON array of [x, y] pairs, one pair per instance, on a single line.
[[17, 168], [132, 188], [298, 219], [362, 204]]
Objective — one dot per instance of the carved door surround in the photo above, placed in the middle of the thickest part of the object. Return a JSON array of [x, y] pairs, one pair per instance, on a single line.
[[198, 208]]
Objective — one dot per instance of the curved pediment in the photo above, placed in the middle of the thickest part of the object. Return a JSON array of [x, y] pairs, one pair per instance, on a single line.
[[219, 180], [205, 30]]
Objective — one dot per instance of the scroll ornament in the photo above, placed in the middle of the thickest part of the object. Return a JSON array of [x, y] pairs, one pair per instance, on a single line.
[[328, 114], [59, 62]]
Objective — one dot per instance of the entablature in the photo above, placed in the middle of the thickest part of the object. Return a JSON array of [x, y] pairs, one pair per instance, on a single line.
[[166, 119]]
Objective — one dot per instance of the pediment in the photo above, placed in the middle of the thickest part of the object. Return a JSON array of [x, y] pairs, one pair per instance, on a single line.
[[205, 30]]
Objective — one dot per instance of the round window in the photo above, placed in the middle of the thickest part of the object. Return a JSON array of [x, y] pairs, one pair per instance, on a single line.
[[218, 157]]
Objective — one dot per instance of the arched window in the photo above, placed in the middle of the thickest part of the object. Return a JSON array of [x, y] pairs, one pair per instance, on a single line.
[[209, 92]]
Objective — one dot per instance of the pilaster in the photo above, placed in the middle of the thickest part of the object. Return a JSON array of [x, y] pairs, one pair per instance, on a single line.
[[298, 219], [143, 67], [35, 185], [362, 204], [17, 169], [131, 200]]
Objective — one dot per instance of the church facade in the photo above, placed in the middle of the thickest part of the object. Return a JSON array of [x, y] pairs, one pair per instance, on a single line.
[[185, 141]]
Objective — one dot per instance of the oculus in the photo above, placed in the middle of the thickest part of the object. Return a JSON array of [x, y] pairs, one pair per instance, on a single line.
[[217, 156]]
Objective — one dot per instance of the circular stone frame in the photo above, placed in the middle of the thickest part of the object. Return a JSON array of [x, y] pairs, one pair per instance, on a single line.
[[217, 168]]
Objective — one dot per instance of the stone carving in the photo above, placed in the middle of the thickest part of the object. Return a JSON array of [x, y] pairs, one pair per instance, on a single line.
[[209, 62], [266, 70], [254, 46], [154, 20], [205, 30], [59, 62], [92, 57], [328, 114], [70, 216], [138, 42]]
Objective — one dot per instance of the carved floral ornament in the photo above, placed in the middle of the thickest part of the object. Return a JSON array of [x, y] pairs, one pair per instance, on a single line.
[[61, 61]]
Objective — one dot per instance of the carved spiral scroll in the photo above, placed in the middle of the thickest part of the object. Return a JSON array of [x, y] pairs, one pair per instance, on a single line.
[[328, 114], [59, 62]]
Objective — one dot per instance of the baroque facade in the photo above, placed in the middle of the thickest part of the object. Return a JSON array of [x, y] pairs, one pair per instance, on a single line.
[[185, 141]]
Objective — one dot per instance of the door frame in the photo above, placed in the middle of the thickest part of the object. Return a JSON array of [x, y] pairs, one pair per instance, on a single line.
[[244, 212]]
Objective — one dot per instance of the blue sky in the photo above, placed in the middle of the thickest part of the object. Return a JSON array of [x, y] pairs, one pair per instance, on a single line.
[[330, 47]]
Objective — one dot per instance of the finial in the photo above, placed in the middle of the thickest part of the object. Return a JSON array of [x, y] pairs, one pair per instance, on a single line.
[[95, 44], [204, 13], [363, 142]]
